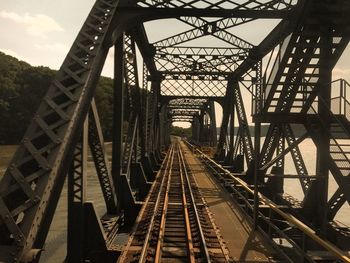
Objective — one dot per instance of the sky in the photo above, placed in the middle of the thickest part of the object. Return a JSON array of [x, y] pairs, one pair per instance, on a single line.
[[41, 32]]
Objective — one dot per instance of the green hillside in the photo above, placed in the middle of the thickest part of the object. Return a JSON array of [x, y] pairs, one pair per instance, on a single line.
[[22, 87]]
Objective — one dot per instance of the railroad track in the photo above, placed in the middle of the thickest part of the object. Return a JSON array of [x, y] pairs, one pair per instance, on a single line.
[[175, 224]]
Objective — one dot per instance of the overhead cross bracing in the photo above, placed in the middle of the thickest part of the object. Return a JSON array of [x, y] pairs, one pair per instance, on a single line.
[[199, 71], [193, 54]]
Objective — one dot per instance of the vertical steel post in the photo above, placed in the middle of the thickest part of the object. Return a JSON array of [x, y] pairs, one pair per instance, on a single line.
[[280, 148], [76, 198], [118, 115], [195, 129], [206, 128], [213, 123], [231, 146], [232, 127], [152, 98], [323, 148], [225, 119], [145, 109], [257, 137], [162, 128], [201, 126], [168, 127]]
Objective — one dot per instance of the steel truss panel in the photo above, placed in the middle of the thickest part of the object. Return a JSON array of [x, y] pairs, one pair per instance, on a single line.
[[243, 124], [136, 115], [218, 4], [203, 27], [169, 64], [192, 86], [180, 107], [181, 119], [183, 112], [99, 155], [32, 184], [187, 102], [186, 109]]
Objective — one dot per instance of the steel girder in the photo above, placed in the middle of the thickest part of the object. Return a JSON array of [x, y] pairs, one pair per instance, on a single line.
[[182, 119], [216, 4], [99, 155], [226, 107], [183, 112], [227, 149], [197, 61], [137, 117]]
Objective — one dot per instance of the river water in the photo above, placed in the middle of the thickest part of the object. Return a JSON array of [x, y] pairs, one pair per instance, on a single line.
[[292, 186]]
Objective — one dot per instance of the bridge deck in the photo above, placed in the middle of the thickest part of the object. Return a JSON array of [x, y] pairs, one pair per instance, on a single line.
[[174, 224], [244, 244]]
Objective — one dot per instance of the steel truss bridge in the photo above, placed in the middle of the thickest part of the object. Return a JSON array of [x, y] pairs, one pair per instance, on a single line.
[[287, 74]]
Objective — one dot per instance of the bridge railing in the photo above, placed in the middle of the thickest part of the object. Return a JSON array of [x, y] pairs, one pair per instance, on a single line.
[[245, 194], [339, 104], [340, 98]]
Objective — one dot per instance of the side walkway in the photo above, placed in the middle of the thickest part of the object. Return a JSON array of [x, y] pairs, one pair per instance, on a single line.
[[244, 244]]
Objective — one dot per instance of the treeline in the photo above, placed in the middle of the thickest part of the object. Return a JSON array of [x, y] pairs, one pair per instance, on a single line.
[[182, 132], [22, 87]]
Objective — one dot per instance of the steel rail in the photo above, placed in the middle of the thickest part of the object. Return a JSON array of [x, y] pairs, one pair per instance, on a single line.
[[168, 167], [163, 221], [174, 221], [190, 248], [161, 235], [203, 241], [338, 253]]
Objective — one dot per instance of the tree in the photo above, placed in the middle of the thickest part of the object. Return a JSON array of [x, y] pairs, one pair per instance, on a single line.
[[22, 88]]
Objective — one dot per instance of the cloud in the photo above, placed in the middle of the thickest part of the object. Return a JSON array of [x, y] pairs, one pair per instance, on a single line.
[[37, 25]]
